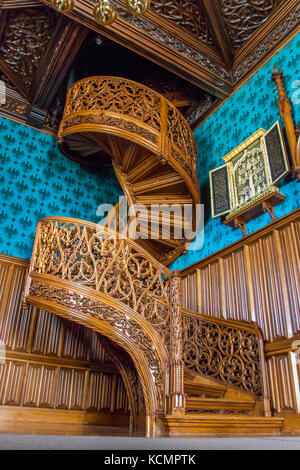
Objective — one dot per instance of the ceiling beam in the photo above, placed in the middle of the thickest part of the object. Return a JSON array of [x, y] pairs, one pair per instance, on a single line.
[[62, 50], [211, 76], [218, 29], [13, 78]]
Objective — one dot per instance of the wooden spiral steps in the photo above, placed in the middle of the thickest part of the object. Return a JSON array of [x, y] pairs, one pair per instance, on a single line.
[[150, 145], [214, 408], [144, 180]]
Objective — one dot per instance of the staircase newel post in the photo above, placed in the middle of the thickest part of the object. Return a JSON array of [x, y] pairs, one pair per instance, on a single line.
[[176, 398]]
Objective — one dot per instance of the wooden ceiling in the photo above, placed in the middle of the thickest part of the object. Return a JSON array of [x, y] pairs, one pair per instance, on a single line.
[[204, 48]]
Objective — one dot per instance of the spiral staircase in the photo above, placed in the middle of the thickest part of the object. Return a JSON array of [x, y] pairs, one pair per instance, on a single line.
[[196, 374], [151, 147]]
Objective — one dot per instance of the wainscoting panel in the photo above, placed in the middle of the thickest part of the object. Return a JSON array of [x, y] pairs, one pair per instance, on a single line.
[[51, 363], [258, 279]]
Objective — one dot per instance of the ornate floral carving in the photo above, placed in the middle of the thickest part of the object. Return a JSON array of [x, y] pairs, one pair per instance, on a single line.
[[139, 110], [262, 49], [180, 134], [116, 319], [172, 42], [89, 256], [15, 106], [244, 17], [25, 39], [115, 95], [226, 353], [186, 14], [203, 105], [110, 121]]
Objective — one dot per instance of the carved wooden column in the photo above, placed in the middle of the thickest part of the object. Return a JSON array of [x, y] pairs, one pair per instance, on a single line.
[[176, 398], [285, 110]]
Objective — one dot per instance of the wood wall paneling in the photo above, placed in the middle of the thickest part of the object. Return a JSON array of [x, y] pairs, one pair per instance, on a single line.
[[281, 386], [255, 279], [258, 279], [53, 364]]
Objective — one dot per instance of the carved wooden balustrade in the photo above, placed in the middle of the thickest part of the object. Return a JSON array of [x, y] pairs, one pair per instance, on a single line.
[[227, 350], [150, 143], [127, 108], [102, 280], [96, 277]]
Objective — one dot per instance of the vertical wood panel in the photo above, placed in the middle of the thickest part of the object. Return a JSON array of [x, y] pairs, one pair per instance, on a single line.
[[77, 390], [236, 287], [63, 388], [281, 384], [269, 304], [14, 383], [46, 334], [289, 236], [47, 387], [189, 292], [210, 290], [33, 382], [76, 340], [14, 323], [97, 352]]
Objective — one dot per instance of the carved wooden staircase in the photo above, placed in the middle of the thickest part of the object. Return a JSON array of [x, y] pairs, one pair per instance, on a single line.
[[198, 374], [207, 396], [152, 150], [214, 408], [188, 372]]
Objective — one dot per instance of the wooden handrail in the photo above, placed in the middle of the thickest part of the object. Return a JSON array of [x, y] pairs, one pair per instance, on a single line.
[[242, 325]]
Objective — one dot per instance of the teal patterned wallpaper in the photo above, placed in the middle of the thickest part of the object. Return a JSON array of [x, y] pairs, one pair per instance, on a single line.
[[37, 181], [253, 106]]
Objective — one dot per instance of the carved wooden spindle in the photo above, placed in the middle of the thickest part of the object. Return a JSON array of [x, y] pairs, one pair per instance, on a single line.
[[176, 403], [285, 110]]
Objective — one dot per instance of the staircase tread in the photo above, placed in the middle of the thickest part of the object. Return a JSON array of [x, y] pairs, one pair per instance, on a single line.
[[220, 400], [203, 417]]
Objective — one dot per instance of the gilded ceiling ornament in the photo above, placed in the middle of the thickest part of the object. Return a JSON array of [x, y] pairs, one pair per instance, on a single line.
[[105, 13], [63, 6], [137, 7]]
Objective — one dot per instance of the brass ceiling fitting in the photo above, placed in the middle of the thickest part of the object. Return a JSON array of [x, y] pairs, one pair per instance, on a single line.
[[104, 11]]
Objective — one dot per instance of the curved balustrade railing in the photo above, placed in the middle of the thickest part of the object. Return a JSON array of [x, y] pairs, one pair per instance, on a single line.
[[227, 350], [87, 254], [137, 113], [83, 259]]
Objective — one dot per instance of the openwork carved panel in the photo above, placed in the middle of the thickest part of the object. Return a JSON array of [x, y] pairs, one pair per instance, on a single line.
[[88, 255], [244, 17], [265, 46], [25, 39], [225, 353], [116, 96], [180, 134], [186, 14], [124, 105], [117, 320]]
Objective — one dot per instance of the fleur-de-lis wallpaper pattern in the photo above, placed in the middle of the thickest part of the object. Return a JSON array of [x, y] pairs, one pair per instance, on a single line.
[[36, 181], [253, 106]]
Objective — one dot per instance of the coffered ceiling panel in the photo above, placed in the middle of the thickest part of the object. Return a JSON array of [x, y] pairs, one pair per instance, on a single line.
[[195, 52], [25, 39], [188, 15], [243, 17]]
